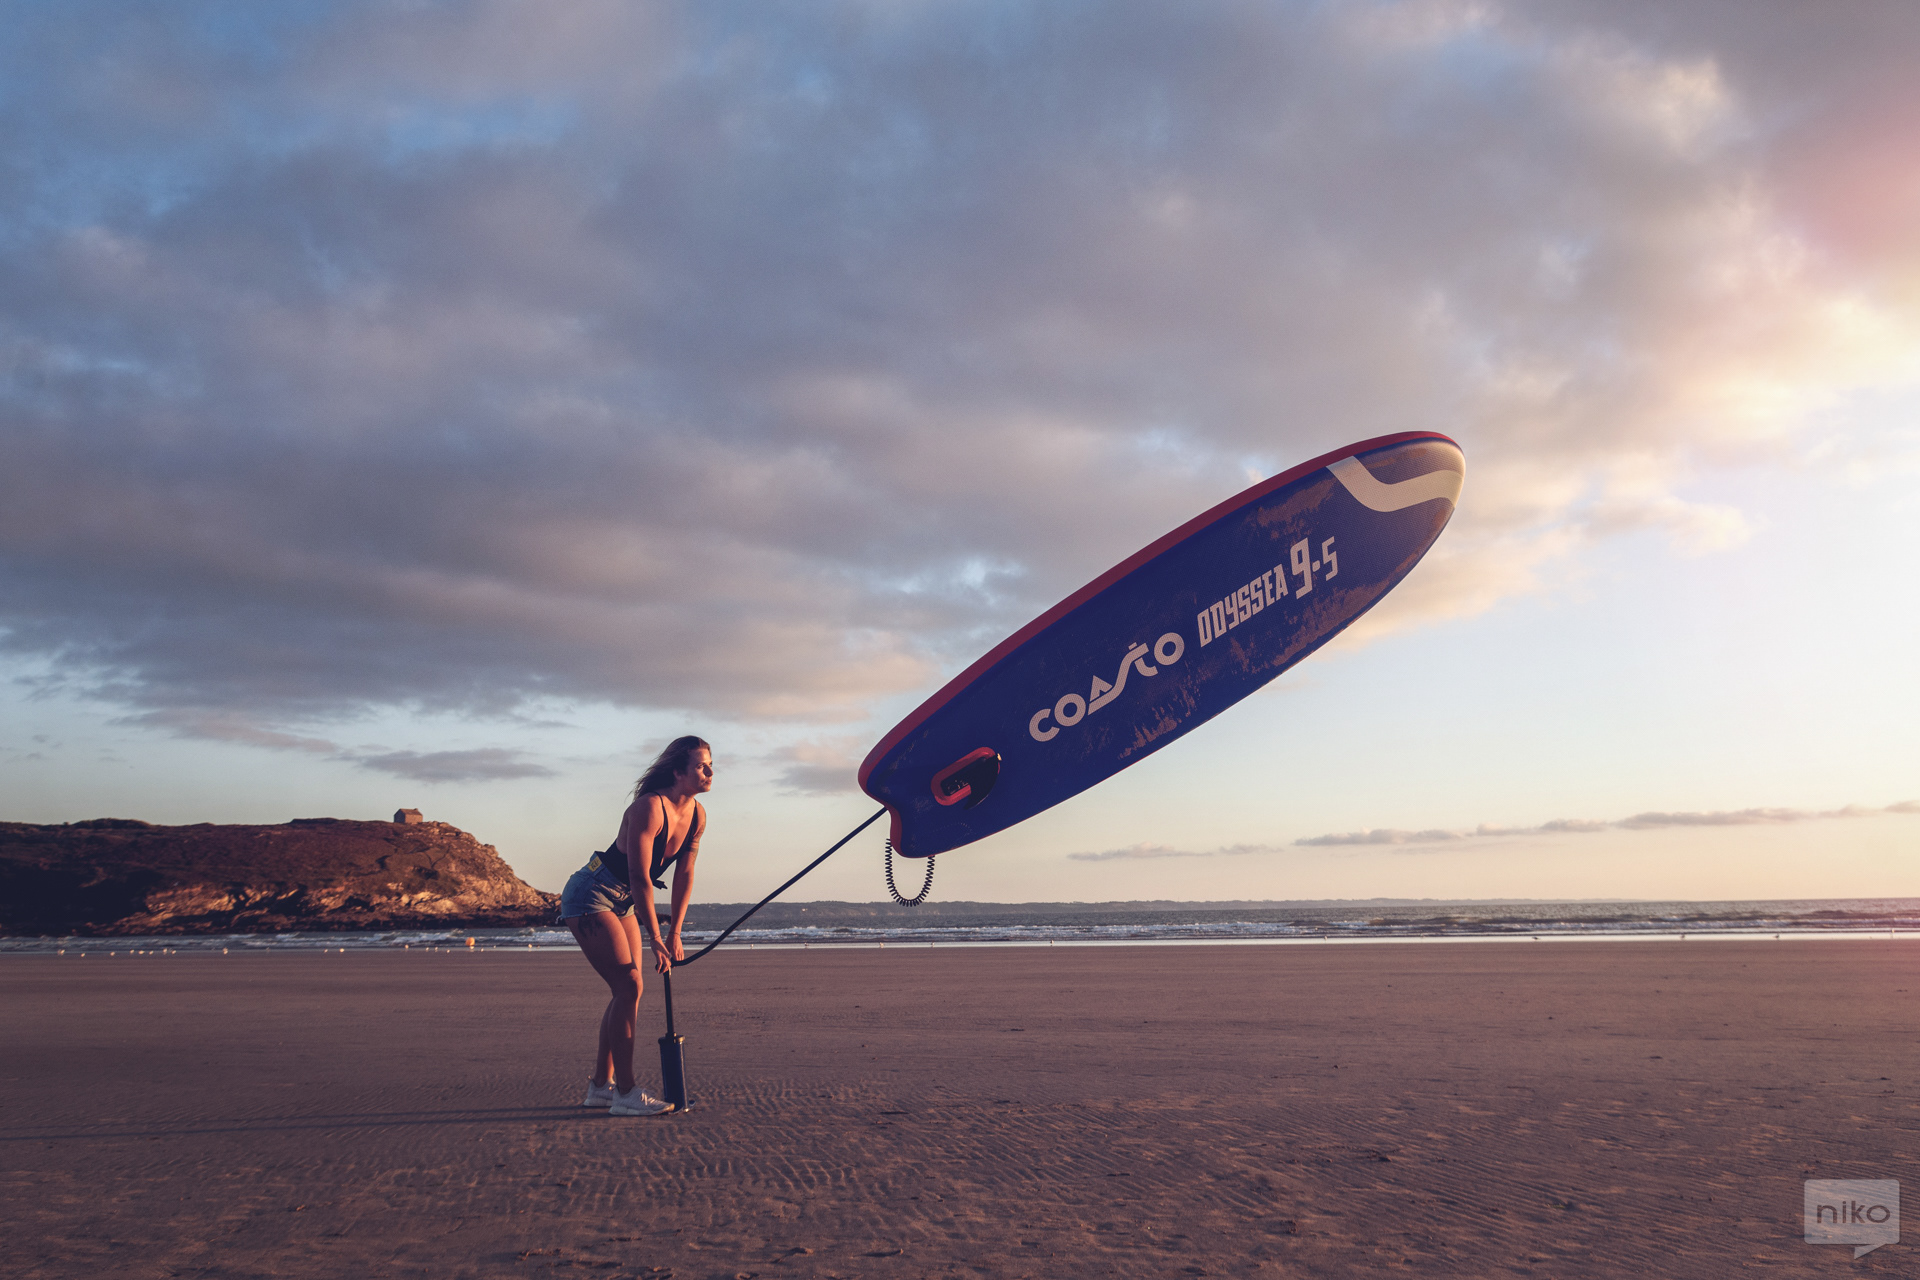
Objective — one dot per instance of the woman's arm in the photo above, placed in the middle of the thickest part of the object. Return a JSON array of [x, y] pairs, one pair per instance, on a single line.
[[683, 878], [639, 851]]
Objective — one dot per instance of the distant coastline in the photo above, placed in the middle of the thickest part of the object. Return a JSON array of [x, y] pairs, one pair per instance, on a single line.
[[388, 882], [124, 877], [850, 924], [1405, 915]]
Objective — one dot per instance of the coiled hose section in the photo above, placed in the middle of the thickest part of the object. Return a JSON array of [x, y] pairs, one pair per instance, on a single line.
[[926, 886]]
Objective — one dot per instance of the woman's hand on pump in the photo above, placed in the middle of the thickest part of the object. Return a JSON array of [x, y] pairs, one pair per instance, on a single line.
[[673, 945], [662, 958]]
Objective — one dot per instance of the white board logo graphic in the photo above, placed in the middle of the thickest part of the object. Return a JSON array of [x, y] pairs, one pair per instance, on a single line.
[[1377, 495], [1858, 1211], [1071, 709], [1267, 590]]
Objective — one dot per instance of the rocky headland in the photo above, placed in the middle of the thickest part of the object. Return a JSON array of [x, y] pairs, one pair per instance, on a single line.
[[120, 876]]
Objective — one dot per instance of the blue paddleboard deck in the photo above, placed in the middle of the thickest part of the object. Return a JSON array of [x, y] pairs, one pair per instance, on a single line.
[[1164, 641]]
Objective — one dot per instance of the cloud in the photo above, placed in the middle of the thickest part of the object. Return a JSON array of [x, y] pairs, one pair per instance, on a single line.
[[1151, 851], [1390, 837], [755, 363], [1385, 836], [1638, 822], [829, 766], [1732, 818], [227, 727], [484, 764]]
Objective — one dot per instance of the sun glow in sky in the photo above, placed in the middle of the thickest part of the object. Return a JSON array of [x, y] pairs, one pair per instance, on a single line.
[[442, 406]]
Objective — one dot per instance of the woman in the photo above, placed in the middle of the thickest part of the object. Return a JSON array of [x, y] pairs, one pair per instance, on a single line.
[[661, 828]]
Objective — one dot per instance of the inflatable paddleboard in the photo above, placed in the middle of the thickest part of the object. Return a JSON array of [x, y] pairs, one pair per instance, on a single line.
[[1164, 641]]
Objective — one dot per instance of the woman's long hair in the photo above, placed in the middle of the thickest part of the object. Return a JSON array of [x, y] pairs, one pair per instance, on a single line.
[[669, 765]]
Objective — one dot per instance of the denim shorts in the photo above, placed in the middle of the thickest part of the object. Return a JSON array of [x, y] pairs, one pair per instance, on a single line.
[[591, 891]]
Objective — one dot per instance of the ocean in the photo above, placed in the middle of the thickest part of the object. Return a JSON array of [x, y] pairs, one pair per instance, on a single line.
[[841, 924]]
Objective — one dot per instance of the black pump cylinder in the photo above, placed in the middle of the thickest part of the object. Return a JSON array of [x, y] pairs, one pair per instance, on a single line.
[[673, 1056], [673, 1071]]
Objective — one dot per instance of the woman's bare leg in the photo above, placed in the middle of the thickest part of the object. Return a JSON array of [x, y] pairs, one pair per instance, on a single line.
[[630, 924], [612, 947], [617, 1023], [604, 1071]]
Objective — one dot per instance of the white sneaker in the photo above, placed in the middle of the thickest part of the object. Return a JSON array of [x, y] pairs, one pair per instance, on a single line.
[[600, 1095], [638, 1102]]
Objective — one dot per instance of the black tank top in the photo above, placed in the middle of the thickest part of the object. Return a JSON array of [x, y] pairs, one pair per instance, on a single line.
[[615, 861]]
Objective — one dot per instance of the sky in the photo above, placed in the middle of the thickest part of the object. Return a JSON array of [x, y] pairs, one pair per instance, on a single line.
[[444, 405]]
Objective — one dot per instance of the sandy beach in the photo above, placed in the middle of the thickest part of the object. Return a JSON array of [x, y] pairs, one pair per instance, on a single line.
[[1560, 1109]]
